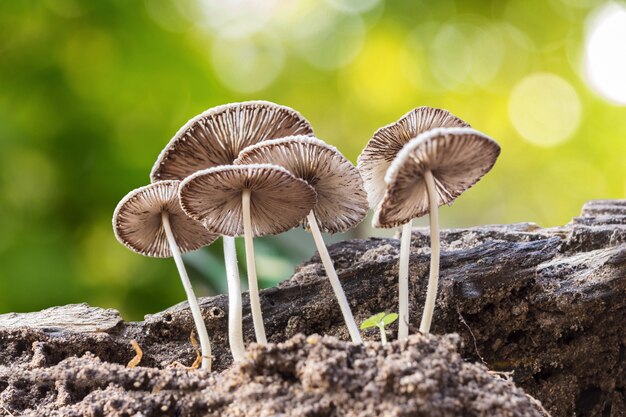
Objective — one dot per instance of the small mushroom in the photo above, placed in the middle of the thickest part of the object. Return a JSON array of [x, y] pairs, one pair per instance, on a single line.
[[215, 138], [248, 200], [432, 170], [374, 162], [341, 199], [383, 147], [150, 221]]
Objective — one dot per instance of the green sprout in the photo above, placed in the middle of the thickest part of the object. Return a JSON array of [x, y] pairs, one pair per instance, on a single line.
[[380, 320]]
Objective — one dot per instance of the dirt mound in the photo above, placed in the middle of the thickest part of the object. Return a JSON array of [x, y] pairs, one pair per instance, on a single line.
[[305, 376]]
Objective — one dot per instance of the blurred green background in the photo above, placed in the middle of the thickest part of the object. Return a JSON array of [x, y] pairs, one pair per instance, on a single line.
[[90, 91]]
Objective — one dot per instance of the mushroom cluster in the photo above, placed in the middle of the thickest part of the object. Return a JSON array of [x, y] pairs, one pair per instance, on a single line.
[[214, 179], [255, 168], [411, 167]]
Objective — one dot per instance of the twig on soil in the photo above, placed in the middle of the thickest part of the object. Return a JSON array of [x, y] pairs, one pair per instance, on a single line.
[[138, 354], [508, 375], [197, 362], [538, 404], [194, 343], [5, 409], [412, 329], [471, 333]]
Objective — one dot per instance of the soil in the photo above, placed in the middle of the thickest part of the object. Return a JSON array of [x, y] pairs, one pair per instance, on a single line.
[[305, 376], [547, 306]]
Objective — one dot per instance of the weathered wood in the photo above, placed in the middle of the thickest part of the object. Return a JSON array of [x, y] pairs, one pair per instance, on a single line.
[[547, 304], [69, 318]]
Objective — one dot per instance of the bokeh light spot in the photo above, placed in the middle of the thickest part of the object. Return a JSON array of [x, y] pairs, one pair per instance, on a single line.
[[166, 14], [236, 18], [412, 61], [487, 55], [353, 6], [605, 53], [377, 76], [326, 38], [247, 65], [545, 109], [462, 56], [451, 56]]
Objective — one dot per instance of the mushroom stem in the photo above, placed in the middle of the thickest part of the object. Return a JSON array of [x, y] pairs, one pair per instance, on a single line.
[[334, 279], [403, 282], [235, 333], [255, 302], [205, 342], [433, 280]]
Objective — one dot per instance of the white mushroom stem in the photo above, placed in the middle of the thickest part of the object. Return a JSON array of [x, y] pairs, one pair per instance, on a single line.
[[403, 282], [334, 279], [205, 342], [433, 280], [235, 333], [255, 302]]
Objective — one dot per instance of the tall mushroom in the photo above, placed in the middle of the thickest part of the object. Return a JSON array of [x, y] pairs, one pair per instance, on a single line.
[[341, 199], [150, 221], [250, 200], [214, 138], [432, 170], [373, 163]]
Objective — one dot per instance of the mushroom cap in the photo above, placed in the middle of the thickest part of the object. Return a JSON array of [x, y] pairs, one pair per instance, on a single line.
[[457, 158], [216, 136], [341, 199], [278, 200], [383, 147], [138, 225]]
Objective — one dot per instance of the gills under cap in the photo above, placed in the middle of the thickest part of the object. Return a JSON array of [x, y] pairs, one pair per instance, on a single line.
[[138, 224], [341, 199], [457, 158], [382, 149], [216, 136], [278, 200]]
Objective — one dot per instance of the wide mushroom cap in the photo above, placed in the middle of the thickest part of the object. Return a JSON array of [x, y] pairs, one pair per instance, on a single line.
[[216, 136], [341, 199], [138, 224], [278, 200], [384, 146], [457, 158]]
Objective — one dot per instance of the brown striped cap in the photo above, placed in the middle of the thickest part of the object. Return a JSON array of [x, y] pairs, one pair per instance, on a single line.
[[341, 199], [383, 147], [457, 157], [137, 222], [216, 136], [278, 201]]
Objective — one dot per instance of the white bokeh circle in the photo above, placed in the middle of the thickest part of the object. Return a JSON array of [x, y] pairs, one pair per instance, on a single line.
[[605, 53], [545, 109]]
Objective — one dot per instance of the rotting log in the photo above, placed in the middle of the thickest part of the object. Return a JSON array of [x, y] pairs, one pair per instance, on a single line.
[[548, 305]]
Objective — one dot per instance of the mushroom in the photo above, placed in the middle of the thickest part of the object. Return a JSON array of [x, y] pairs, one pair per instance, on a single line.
[[249, 200], [150, 221], [214, 138], [341, 199], [432, 170], [373, 163]]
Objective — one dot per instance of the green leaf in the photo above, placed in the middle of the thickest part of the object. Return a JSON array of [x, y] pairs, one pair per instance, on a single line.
[[372, 321], [389, 318]]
